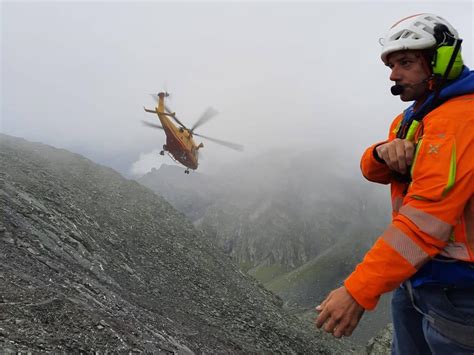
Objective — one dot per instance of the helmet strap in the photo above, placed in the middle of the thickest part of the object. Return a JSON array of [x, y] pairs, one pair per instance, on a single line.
[[425, 59]]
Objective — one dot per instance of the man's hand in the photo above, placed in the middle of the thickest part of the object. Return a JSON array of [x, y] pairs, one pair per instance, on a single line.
[[397, 154], [339, 312]]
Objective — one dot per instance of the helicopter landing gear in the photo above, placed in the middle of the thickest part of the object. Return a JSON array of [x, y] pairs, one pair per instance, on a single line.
[[164, 148]]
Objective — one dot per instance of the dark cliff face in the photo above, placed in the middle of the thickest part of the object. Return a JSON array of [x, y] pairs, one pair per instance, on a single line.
[[91, 261]]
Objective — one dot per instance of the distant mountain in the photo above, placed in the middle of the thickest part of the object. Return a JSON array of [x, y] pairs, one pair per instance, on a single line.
[[297, 222], [92, 262]]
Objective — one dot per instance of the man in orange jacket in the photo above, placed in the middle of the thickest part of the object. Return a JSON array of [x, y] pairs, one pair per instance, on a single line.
[[428, 160]]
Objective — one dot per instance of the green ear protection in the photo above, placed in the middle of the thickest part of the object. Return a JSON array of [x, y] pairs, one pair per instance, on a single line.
[[441, 59], [444, 52]]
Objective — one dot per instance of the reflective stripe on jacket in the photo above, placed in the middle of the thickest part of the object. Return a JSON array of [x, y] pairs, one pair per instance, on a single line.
[[434, 214]]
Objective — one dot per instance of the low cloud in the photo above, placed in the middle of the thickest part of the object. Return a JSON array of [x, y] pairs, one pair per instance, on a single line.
[[146, 162]]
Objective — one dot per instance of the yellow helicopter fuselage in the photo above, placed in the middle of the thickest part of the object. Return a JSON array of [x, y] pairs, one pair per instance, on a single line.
[[179, 141]]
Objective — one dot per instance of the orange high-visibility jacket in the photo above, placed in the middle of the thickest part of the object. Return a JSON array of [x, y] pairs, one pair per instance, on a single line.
[[434, 214]]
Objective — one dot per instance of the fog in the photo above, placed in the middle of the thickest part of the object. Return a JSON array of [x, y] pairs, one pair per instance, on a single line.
[[283, 75]]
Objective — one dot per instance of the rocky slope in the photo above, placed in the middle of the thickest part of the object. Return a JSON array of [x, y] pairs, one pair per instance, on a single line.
[[93, 262]]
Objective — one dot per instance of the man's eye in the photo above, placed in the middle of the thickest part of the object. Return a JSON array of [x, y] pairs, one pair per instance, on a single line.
[[405, 63]]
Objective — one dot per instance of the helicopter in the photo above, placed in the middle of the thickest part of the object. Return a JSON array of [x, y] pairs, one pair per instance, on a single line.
[[179, 139]]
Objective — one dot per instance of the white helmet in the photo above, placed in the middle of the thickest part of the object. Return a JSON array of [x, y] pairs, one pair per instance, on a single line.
[[414, 32]]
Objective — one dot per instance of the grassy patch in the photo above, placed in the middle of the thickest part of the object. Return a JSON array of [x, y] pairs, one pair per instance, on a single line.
[[266, 273]]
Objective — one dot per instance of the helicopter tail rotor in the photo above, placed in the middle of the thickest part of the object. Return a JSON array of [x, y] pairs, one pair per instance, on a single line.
[[156, 97]]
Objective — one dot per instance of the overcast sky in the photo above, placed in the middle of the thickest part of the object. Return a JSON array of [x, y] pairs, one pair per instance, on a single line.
[[287, 75]]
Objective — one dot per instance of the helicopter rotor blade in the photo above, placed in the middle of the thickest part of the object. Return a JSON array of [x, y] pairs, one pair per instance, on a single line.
[[152, 125], [167, 109], [206, 116], [227, 144]]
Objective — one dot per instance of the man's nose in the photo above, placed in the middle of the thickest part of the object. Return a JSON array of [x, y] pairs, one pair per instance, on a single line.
[[395, 75]]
